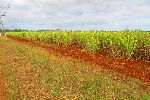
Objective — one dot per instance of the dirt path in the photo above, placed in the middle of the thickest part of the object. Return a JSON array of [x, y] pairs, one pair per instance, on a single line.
[[133, 68], [2, 82]]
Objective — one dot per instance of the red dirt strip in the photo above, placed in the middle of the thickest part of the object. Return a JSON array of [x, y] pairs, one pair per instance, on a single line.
[[134, 68]]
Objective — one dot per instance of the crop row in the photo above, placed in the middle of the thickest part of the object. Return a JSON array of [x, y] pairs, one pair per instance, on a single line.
[[126, 44]]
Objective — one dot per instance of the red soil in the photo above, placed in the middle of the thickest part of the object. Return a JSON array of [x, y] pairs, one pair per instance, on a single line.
[[134, 68]]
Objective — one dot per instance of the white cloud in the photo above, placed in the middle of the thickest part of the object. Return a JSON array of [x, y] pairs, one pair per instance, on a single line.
[[69, 13]]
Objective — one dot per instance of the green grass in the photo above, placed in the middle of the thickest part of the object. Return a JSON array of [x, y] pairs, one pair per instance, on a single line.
[[34, 73]]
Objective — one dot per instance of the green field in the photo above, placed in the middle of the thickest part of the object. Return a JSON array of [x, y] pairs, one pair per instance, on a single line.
[[126, 44]]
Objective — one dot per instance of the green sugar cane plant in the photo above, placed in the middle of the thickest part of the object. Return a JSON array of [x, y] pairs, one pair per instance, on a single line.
[[89, 41], [104, 42], [67, 38], [28, 35], [75, 40], [117, 48], [50, 36], [57, 37], [83, 38], [112, 45], [92, 43], [143, 46], [128, 43], [44, 36], [47, 36]]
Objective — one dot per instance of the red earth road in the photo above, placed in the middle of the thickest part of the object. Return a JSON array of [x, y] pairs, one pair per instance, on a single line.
[[134, 68]]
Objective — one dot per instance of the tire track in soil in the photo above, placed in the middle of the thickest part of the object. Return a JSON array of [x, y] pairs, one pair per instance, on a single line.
[[134, 68], [2, 81]]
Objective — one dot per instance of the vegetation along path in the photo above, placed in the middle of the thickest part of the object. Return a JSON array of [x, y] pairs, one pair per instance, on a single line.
[[33, 72]]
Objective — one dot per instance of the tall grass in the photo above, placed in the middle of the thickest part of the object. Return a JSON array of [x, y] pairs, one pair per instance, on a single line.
[[126, 44]]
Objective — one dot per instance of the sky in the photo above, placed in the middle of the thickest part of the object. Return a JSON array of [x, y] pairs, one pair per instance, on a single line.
[[77, 14]]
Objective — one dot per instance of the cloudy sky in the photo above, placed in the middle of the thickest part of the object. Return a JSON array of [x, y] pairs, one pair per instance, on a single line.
[[77, 14]]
